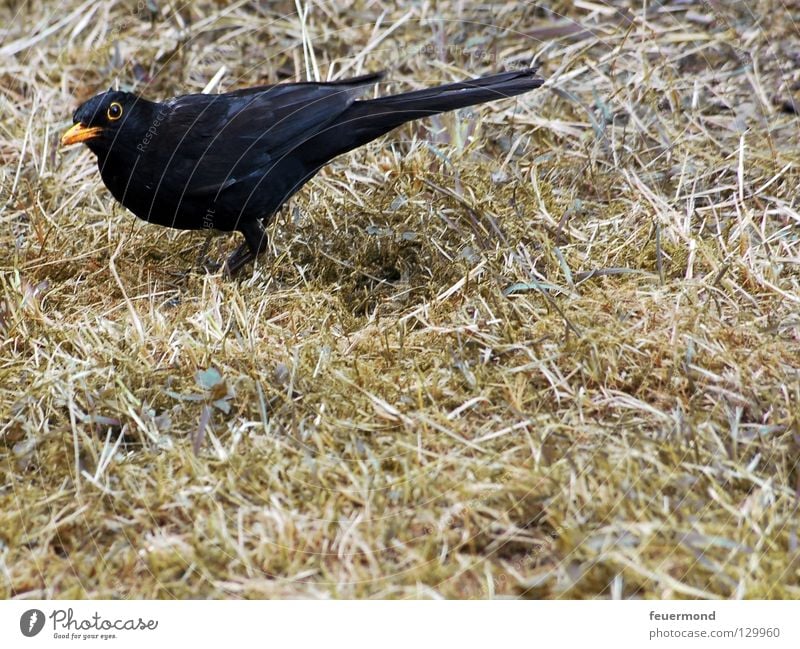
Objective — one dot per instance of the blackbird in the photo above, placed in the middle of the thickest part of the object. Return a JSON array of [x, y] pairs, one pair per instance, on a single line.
[[229, 161]]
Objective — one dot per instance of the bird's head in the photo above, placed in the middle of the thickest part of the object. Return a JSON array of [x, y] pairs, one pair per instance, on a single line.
[[99, 121]]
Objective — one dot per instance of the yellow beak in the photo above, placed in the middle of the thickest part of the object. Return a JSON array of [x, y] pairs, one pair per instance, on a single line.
[[80, 133]]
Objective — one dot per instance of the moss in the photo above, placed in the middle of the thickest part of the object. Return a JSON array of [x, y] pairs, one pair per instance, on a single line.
[[532, 350]]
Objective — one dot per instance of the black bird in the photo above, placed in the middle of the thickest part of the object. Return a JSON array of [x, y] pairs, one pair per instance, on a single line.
[[229, 161]]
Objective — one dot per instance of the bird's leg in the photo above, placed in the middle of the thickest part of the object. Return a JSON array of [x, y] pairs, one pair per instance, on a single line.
[[255, 242], [202, 258], [239, 258]]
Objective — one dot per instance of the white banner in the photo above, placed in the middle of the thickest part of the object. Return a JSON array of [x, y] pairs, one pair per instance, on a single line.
[[401, 624]]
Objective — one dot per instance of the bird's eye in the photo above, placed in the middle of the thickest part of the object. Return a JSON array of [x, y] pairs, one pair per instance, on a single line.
[[114, 111]]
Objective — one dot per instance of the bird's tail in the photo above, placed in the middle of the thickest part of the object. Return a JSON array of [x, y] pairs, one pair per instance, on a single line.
[[377, 116]]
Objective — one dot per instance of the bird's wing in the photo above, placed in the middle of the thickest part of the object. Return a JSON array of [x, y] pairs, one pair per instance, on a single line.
[[213, 141]]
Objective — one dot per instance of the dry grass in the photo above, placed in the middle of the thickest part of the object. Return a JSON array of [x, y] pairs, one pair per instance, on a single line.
[[543, 348]]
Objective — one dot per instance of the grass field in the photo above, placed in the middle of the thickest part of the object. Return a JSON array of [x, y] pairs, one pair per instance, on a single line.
[[544, 348]]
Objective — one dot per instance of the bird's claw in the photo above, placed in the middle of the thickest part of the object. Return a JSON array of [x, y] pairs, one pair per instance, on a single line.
[[211, 266], [240, 257]]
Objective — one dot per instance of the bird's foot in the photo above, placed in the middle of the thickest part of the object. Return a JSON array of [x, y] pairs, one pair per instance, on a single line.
[[240, 257], [255, 242], [211, 266], [203, 261]]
